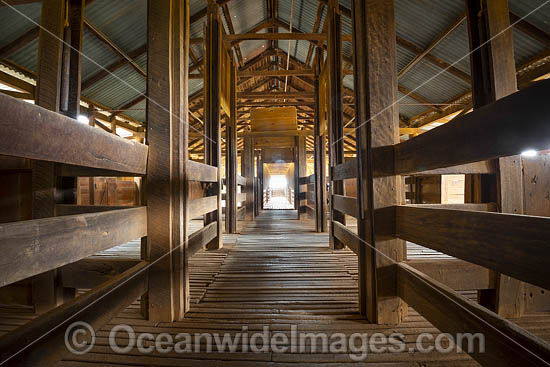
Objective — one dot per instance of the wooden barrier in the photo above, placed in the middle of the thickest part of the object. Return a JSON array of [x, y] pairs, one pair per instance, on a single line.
[[57, 138], [47, 332], [35, 246]]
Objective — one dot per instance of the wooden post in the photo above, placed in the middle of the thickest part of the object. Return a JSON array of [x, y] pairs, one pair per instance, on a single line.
[[377, 124], [46, 295], [319, 160], [300, 171], [167, 135], [335, 128], [91, 180], [248, 168], [212, 140], [231, 160], [76, 21], [258, 183], [494, 77]]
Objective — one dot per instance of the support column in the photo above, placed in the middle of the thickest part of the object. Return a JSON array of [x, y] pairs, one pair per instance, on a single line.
[[76, 24], [248, 170], [167, 135], [377, 125], [212, 141], [258, 183], [231, 160], [319, 161], [335, 128], [300, 170], [494, 77], [46, 293]]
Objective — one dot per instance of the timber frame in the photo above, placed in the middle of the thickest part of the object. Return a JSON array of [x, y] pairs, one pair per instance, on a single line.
[[499, 248]]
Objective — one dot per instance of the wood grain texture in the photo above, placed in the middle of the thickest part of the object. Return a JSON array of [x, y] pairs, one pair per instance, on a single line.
[[95, 307], [521, 242], [506, 344], [58, 138], [197, 171], [35, 246], [489, 132]]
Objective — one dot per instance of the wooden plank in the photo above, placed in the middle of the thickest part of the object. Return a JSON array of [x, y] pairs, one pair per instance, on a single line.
[[65, 239], [201, 206], [231, 154], [319, 159], [456, 274], [201, 172], [202, 237], [347, 237], [489, 132], [71, 209], [345, 204], [521, 242], [232, 38], [61, 139], [69, 170], [275, 95], [482, 167], [241, 181], [247, 162], [274, 73], [96, 308], [241, 196], [92, 272], [16, 83], [506, 344], [345, 170], [481, 207]]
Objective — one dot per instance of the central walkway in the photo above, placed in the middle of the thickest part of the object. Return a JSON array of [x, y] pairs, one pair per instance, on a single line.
[[277, 273]]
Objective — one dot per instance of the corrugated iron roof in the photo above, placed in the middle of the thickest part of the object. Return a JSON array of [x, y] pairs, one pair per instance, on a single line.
[[420, 22]]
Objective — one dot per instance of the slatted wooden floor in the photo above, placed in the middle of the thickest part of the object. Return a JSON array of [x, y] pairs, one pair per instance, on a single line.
[[277, 273]]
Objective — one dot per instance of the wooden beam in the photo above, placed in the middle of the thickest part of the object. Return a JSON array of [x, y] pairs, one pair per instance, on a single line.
[[231, 159], [505, 343], [232, 38], [493, 77], [19, 42], [375, 56], [519, 240], [334, 102], [74, 75], [212, 113], [524, 26], [488, 132], [456, 274], [16, 83], [271, 95], [102, 73], [201, 172], [65, 239], [278, 73], [46, 334], [440, 37], [102, 37], [167, 69], [434, 60], [56, 138], [247, 163]]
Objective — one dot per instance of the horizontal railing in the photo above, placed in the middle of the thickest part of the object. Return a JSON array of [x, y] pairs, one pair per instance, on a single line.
[[201, 172], [34, 246], [33, 132]]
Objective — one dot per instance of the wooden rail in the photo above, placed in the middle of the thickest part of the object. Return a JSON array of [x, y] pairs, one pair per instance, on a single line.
[[345, 204], [488, 132], [241, 181], [35, 246], [505, 343], [516, 245], [345, 170], [347, 237], [202, 237], [53, 137], [46, 333], [201, 172], [201, 206]]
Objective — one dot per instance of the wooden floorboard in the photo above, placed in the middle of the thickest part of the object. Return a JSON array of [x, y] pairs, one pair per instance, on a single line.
[[277, 272]]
